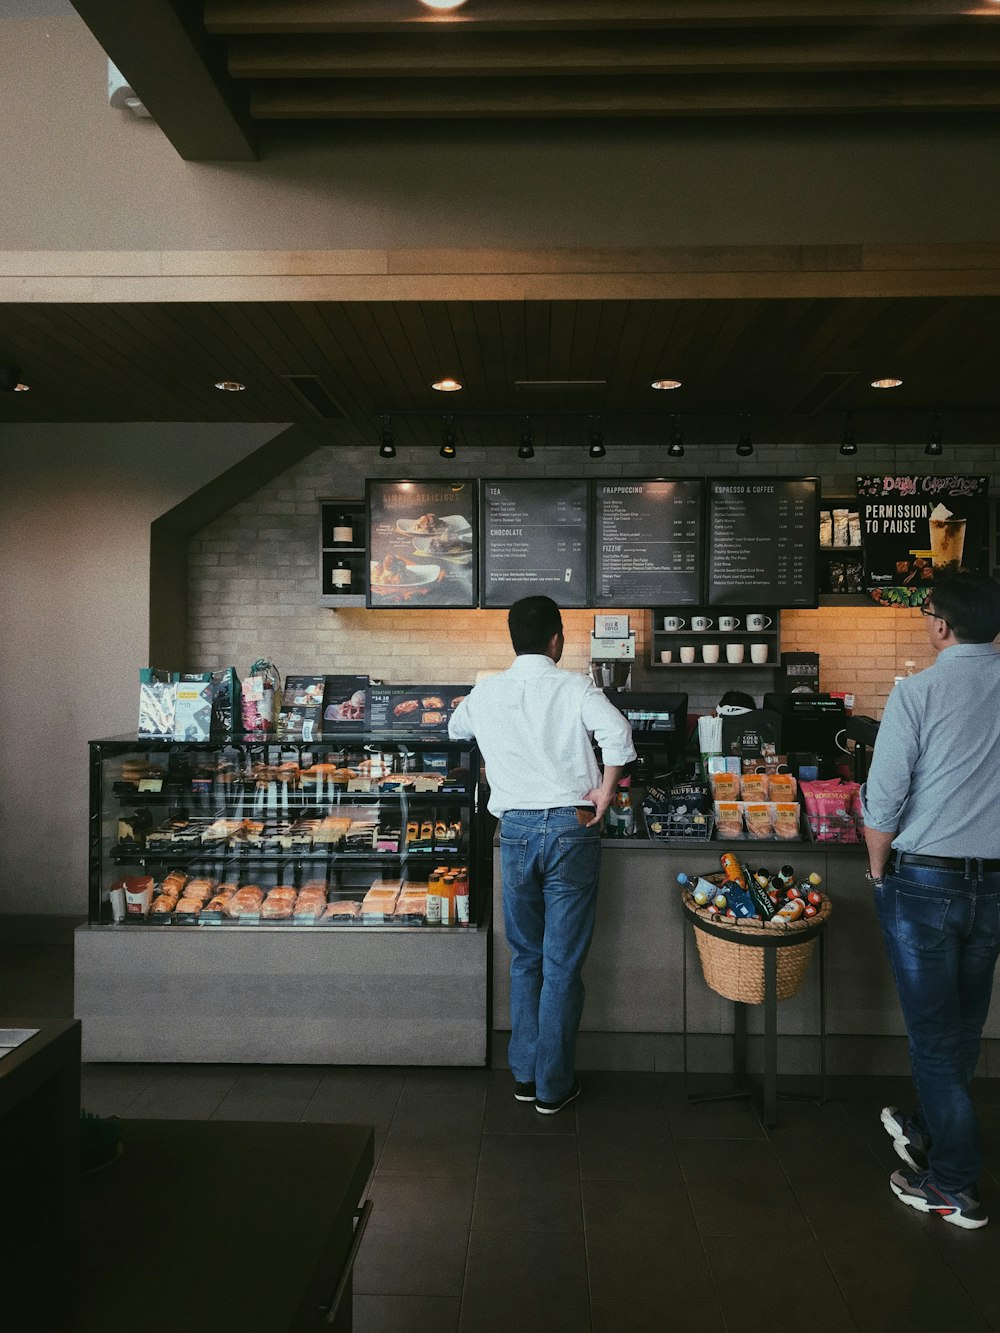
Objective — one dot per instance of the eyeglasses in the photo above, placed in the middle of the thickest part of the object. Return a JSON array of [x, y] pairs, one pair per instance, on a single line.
[[926, 610]]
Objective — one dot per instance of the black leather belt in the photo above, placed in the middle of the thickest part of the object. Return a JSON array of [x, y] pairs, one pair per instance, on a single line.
[[947, 862]]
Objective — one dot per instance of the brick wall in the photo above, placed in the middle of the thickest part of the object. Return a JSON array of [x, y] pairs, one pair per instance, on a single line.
[[254, 577]]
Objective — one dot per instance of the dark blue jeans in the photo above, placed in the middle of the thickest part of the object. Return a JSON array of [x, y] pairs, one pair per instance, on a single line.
[[550, 864], [942, 935]]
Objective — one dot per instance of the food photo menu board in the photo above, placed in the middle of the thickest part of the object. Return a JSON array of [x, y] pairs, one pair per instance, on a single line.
[[421, 544], [648, 542], [762, 541], [535, 540]]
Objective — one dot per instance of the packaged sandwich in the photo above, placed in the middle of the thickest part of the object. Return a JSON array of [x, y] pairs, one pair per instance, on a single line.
[[728, 819], [725, 786], [757, 817]]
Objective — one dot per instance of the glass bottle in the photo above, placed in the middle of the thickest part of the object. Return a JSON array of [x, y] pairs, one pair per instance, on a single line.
[[340, 576], [343, 530], [621, 816]]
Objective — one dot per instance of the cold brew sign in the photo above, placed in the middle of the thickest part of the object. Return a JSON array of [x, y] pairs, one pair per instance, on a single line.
[[913, 528], [534, 540], [762, 541], [648, 542]]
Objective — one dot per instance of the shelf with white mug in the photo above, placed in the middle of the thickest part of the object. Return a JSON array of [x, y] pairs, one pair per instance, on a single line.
[[733, 634]]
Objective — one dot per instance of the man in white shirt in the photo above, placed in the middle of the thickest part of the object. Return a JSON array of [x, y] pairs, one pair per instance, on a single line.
[[535, 726]]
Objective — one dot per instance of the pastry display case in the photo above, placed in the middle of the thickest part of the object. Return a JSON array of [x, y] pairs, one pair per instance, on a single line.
[[360, 831]]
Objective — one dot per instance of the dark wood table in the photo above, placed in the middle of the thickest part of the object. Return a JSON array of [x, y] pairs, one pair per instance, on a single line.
[[224, 1225]]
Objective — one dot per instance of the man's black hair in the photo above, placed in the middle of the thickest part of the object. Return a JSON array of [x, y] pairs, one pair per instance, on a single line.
[[533, 621], [970, 603]]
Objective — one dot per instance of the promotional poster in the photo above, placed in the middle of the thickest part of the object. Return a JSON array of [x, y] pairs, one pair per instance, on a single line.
[[421, 543]]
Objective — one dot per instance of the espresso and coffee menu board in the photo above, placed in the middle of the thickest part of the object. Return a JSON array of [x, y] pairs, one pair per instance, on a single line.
[[762, 541], [535, 540], [648, 543]]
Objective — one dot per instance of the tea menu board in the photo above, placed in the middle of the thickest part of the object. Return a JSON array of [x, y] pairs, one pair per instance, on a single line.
[[762, 541], [648, 543], [535, 540], [421, 544]]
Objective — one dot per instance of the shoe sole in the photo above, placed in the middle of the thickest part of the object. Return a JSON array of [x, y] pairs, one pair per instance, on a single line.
[[522, 1097], [954, 1216], [554, 1110], [900, 1142]]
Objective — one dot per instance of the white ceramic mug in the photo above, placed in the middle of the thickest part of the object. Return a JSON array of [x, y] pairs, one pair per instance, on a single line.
[[701, 623], [673, 623], [758, 652], [666, 655], [756, 622], [710, 653], [734, 653], [728, 623], [687, 653]]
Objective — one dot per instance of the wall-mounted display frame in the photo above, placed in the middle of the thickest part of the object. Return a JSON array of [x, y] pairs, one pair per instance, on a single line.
[[422, 544], [536, 538]]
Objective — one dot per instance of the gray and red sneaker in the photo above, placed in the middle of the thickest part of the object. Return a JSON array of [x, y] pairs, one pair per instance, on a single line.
[[916, 1190]]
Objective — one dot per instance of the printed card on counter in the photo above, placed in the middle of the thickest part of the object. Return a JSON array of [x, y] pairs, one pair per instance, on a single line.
[[424, 708]]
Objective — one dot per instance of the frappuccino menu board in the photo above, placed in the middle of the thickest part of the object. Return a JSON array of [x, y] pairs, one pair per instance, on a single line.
[[648, 543], [762, 541], [535, 539]]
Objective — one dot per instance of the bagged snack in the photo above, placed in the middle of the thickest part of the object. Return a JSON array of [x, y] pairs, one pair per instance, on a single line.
[[753, 787], [781, 787], [157, 702], [825, 527], [225, 702], [828, 809], [728, 819], [785, 819], [193, 706], [261, 697], [757, 816], [725, 786]]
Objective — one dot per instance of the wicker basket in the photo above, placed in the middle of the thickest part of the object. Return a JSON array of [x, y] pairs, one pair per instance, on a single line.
[[734, 968]]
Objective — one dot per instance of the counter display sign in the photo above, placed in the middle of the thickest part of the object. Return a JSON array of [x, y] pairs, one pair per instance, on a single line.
[[421, 543], [535, 540], [913, 528], [762, 541], [414, 707], [648, 543]]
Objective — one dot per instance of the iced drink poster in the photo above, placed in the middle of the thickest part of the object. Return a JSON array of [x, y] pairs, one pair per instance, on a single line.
[[915, 528]]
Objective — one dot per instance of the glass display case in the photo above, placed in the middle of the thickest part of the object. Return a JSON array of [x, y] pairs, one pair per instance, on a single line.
[[352, 832]]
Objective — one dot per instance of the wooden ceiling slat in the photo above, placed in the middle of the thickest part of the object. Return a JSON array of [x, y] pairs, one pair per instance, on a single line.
[[831, 94], [339, 355], [749, 51], [380, 357], [333, 16], [63, 384]]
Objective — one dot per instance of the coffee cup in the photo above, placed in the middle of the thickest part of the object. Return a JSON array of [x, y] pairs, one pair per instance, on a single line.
[[673, 623], [728, 623], [666, 655], [687, 653], [758, 652], [756, 622], [734, 653], [710, 653], [701, 623]]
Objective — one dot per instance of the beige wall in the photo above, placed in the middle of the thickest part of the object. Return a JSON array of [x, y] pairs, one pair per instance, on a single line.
[[79, 176], [75, 508]]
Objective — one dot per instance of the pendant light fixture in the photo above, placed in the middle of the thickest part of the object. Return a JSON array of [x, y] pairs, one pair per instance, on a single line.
[[744, 446], [526, 444], [597, 449], [675, 449], [448, 439], [933, 446], [849, 440], [387, 445]]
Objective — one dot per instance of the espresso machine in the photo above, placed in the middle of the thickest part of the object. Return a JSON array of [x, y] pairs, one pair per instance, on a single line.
[[612, 652]]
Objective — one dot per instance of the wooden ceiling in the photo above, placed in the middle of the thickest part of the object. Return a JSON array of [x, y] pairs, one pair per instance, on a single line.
[[211, 76], [797, 365]]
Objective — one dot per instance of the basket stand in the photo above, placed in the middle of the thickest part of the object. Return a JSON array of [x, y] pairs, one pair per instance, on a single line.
[[770, 943]]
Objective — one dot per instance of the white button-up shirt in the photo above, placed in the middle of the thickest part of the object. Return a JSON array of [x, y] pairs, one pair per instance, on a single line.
[[535, 726]]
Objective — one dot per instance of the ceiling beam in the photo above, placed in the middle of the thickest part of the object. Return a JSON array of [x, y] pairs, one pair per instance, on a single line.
[[685, 95], [456, 53], [178, 72], [332, 16]]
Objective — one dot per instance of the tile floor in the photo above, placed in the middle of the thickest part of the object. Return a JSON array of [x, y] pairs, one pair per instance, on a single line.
[[632, 1210]]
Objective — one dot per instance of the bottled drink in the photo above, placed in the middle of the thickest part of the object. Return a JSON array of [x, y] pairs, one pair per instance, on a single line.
[[341, 576], [448, 900], [434, 897], [462, 896], [621, 816], [732, 869], [343, 531]]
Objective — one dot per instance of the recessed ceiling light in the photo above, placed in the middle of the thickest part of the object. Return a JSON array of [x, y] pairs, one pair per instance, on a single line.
[[888, 383], [230, 386], [665, 384], [446, 386], [443, 4]]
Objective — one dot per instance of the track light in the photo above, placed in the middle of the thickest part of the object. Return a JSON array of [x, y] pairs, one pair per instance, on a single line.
[[849, 440], [933, 446], [744, 446], [597, 449], [448, 441], [675, 449], [387, 446], [526, 440]]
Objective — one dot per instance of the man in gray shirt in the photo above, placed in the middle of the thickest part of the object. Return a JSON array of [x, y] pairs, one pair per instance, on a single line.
[[933, 834]]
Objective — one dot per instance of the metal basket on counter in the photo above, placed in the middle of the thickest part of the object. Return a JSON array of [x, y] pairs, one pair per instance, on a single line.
[[668, 828]]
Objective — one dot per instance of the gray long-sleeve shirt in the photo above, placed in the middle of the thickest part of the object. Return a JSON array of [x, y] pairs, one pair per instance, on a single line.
[[935, 772]]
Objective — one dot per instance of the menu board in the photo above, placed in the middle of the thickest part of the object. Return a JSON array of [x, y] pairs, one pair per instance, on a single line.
[[421, 544], [913, 528], [648, 543], [535, 540], [762, 541], [425, 708]]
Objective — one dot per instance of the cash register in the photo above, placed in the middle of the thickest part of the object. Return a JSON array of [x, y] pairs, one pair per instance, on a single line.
[[809, 725]]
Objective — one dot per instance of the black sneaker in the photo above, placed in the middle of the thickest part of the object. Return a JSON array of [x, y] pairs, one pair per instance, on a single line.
[[961, 1210], [553, 1108], [524, 1092], [909, 1143]]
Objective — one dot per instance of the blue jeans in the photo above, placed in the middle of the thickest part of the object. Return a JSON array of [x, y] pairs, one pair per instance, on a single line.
[[550, 864], [942, 935]]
